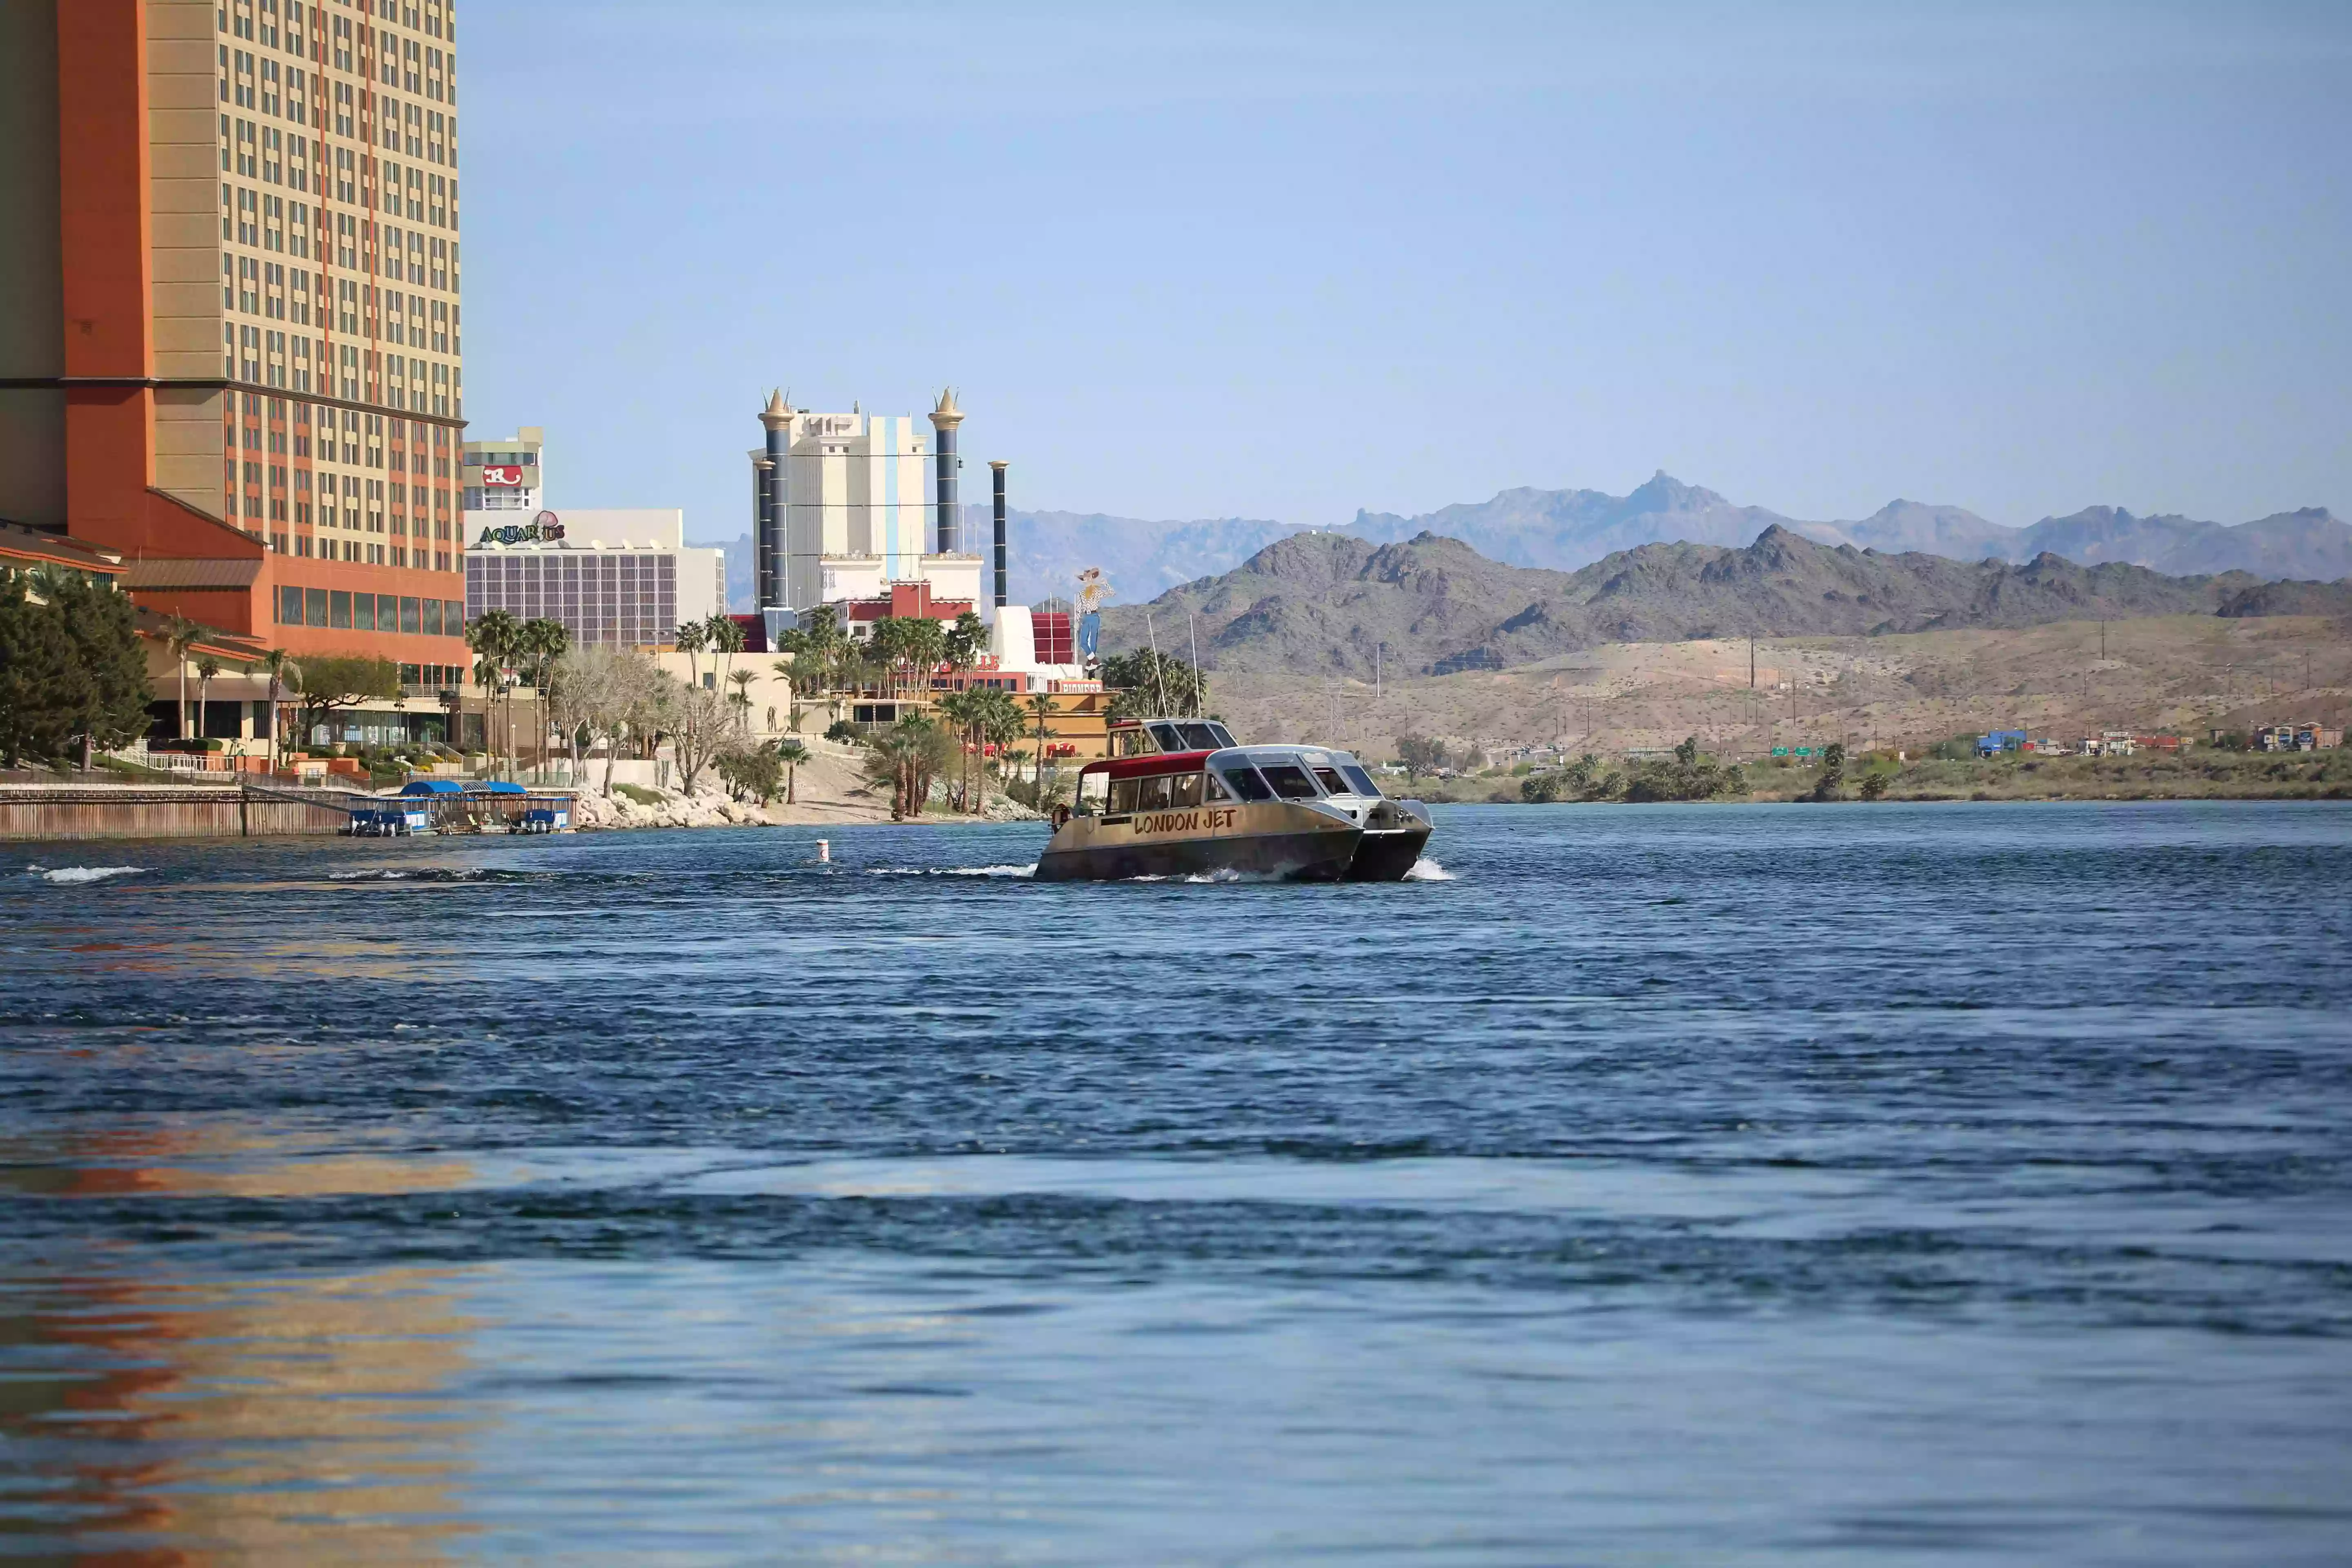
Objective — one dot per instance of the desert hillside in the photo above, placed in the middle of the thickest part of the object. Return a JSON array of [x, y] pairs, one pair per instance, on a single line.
[[2185, 672]]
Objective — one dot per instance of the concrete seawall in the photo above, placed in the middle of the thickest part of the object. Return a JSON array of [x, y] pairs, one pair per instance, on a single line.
[[163, 811]]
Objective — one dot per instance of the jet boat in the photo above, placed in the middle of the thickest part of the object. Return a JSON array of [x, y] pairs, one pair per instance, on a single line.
[[1178, 798]]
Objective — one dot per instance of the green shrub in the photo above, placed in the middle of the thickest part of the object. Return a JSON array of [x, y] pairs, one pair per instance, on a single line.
[[639, 793]]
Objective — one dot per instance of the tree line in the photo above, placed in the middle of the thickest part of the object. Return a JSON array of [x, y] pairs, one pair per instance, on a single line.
[[73, 678]]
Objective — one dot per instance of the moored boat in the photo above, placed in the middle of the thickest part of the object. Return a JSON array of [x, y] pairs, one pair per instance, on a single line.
[[1186, 800]]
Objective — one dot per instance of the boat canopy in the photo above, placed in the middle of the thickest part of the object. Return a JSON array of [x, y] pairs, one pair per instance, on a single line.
[[497, 786], [1148, 766], [432, 787]]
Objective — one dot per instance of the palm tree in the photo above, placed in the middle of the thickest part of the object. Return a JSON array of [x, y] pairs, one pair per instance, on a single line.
[[691, 639], [494, 637], [1041, 709], [961, 710], [726, 640], [886, 644], [179, 635], [283, 672], [1000, 724], [926, 646], [792, 755], [965, 639], [206, 668], [742, 681], [541, 641]]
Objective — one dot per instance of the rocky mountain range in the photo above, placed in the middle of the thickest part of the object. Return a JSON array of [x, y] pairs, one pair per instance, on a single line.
[[1322, 602], [1565, 530]]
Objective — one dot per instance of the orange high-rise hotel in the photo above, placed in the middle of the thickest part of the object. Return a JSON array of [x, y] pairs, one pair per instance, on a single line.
[[230, 324]]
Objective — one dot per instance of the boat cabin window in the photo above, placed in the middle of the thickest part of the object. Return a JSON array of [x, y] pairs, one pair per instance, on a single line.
[[1170, 736], [1331, 782], [1199, 737], [1094, 790], [1153, 796], [1290, 781], [1223, 736], [1216, 791], [1360, 780], [1242, 781], [1183, 790]]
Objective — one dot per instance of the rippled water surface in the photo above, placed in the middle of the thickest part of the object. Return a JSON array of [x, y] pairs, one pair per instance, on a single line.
[[1648, 1185]]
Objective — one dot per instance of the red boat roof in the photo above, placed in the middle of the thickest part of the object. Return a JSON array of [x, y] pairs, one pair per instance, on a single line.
[[1149, 766]]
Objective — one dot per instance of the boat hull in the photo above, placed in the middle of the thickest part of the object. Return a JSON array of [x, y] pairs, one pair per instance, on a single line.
[[1276, 840], [1386, 857], [1315, 856]]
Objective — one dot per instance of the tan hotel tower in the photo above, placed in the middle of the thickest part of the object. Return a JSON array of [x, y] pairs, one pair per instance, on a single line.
[[229, 325]]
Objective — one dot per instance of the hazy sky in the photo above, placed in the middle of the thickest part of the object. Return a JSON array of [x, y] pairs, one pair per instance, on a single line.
[[1288, 260]]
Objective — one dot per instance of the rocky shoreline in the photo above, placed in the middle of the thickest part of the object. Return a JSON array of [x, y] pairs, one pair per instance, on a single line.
[[597, 812]]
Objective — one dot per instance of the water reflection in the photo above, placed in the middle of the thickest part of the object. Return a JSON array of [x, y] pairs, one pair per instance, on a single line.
[[151, 1417], [157, 1421]]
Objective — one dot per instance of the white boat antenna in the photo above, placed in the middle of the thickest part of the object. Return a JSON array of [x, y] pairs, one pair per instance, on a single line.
[[1192, 626], [1158, 685]]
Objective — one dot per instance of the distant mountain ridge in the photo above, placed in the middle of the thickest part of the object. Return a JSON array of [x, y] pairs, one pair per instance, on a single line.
[[1565, 530], [1323, 603]]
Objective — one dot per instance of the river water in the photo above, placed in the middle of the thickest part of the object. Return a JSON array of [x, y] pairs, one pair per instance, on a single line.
[[1656, 1185]]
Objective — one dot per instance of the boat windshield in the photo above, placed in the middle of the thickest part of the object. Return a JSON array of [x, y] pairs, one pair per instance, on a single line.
[[1242, 781], [1331, 782], [1094, 789], [1224, 736], [1290, 781], [1170, 738], [1199, 737], [1361, 780]]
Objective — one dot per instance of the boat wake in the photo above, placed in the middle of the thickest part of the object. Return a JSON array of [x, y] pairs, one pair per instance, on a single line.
[[420, 874], [1022, 871], [1428, 870], [81, 873]]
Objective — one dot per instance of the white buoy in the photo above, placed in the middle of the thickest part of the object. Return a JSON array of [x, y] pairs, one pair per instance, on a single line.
[[823, 851]]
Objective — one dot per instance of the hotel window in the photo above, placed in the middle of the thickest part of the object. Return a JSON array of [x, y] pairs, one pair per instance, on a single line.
[[440, 264], [412, 55], [298, 230], [297, 163], [416, 195], [248, 217], [244, 94], [269, 99], [248, 159], [314, 606], [248, 282], [346, 177], [391, 193], [416, 259], [344, 59], [343, 98], [443, 128], [415, 141]]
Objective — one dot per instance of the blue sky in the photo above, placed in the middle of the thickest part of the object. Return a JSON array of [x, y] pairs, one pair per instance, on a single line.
[[1291, 260]]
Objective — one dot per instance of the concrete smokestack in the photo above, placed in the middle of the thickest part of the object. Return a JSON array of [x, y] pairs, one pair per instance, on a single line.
[[772, 544], [944, 463], [997, 482]]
